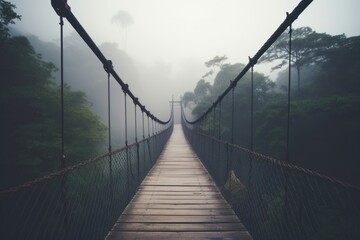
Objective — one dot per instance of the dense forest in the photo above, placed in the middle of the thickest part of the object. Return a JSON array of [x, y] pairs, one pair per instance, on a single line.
[[325, 102], [30, 107]]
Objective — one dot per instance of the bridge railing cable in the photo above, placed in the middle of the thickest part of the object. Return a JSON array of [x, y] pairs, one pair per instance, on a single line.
[[314, 205], [274, 199], [290, 18], [34, 210], [83, 201]]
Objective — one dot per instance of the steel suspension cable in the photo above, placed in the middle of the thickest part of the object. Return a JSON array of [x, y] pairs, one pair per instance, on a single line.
[[283, 26], [63, 10]]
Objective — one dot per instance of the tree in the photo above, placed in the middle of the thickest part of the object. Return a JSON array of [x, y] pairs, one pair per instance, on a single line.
[[202, 90], [308, 48], [205, 94], [188, 97], [7, 16], [30, 121], [216, 62]]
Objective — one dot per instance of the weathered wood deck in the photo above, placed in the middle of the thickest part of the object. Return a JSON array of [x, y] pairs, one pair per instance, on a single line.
[[178, 199]]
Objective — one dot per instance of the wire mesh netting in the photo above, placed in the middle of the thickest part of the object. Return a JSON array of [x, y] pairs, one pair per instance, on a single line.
[[276, 200], [82, 201]]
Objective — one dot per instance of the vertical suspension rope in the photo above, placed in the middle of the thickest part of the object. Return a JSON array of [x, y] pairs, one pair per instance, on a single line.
[[109, 115], [127, 150], [126, 130], [109, 138], [289, 99], [286, 176], [251, 127], [63, 163], [137, 146], [148, 140], [232, 138], [152, 126], [232, 115], [143, 132], [136, 132], [252, 111], [143, 124], [148, 126]]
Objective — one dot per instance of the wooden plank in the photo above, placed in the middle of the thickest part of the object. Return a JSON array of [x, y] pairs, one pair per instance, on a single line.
[[147, 193], [178, 197], [179, 212], [178, 219], [184, 202], [243, 235], [179, 206], [178, 188], [178, 200], [177, 227]]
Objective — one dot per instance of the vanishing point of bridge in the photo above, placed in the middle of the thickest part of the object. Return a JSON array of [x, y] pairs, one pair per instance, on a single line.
[[159, 188], [178, 199]]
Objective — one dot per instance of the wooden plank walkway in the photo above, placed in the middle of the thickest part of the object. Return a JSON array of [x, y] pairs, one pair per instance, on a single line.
[[178, 200]]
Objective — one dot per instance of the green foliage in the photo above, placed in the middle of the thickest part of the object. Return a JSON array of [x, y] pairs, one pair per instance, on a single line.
[[7, 16], [340, 74], [205, 94], [84, 130], [324, 127], [30, 105], [188, 97], [216, 62], [308, 48], [323, 131]]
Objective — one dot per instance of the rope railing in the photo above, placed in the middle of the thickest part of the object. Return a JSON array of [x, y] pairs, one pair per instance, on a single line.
[[35, 210], [290, 18], [83, 201], [274, 199], [314, 206], [63, 10]]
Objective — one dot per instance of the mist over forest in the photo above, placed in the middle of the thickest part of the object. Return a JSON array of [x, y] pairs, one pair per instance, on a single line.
[[325, 115], [35, 154], [325, 103]]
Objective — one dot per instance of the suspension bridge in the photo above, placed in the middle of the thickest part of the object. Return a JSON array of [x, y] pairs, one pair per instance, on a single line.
[[180, 181]]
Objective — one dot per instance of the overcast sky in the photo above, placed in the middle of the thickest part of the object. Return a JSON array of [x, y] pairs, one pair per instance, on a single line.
[[183, 34]]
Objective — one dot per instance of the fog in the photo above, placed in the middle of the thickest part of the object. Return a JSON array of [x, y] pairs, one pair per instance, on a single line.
[[159, 47]]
